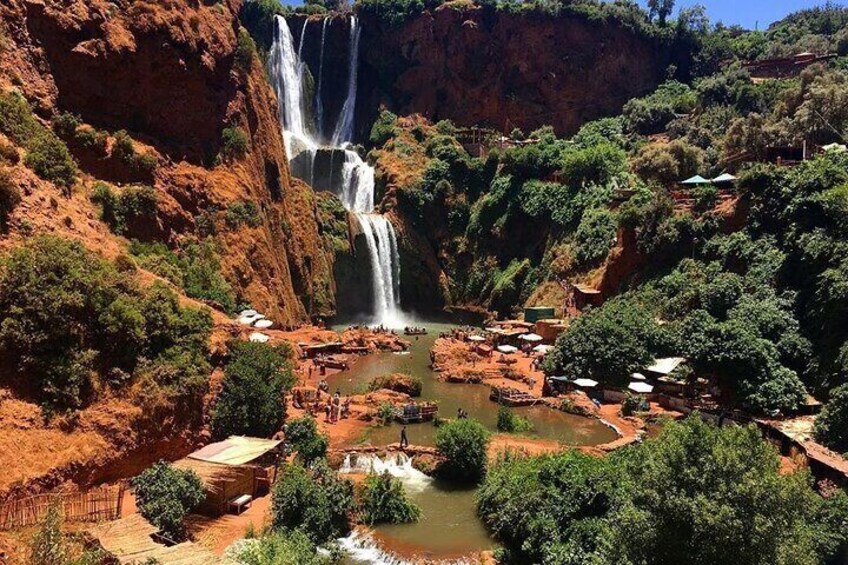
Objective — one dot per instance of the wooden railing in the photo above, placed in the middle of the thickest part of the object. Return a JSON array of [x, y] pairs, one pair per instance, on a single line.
[[96, 505]]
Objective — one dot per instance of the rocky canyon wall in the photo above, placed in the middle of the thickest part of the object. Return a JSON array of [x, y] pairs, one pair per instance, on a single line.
[[477, 67]]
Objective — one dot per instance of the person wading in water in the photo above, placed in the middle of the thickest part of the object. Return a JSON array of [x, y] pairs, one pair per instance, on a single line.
[[404, 442]]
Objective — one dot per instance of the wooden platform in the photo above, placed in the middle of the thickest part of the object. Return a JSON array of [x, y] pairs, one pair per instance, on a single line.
[[130, 541], [422, 414], [512, 397]]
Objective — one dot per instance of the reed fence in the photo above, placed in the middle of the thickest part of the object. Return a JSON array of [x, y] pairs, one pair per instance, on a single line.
[[95, 505]]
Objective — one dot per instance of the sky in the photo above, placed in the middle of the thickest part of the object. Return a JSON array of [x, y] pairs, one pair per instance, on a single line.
[[748, 13]]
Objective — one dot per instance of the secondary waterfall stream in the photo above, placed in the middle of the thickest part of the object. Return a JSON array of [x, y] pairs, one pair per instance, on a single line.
[[303, 135]]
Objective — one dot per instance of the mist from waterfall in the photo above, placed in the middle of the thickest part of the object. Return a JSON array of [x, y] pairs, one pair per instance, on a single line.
[[356, 186]]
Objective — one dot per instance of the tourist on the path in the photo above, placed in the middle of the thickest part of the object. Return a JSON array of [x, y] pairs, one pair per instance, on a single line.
[[327, 409], [404, 442]]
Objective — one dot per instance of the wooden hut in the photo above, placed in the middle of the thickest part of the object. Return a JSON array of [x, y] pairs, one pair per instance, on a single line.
[[233, 468]]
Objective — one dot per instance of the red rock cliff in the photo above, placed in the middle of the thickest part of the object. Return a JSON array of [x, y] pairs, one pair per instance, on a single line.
[[165, 70]]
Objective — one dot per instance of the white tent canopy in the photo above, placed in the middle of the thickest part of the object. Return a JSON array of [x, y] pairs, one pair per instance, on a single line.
[[585, 383], [258, 337], [245, 313], [249, 319], [477, 338], [507, 349], [543, 348], [262, 324], [726, 177], [666, 365], [637, 377], [640, 387], [532, 337]]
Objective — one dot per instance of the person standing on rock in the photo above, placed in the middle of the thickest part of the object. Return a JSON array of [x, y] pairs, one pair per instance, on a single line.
[[404, 441]]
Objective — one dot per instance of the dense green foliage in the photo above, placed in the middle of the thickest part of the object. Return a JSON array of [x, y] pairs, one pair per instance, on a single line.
[[463, 444], [46, 155], [134, 205], [234, 142], [669, 500], [50, 546], [383, 500], [196, 268], [165, 494], [511, 423], [10, 197], [277, 548], [70, 322], [314, 501], [303, 436], [252, 397], [831, 426]]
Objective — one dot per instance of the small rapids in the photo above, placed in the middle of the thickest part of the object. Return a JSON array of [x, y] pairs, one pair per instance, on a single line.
[[398, 465]]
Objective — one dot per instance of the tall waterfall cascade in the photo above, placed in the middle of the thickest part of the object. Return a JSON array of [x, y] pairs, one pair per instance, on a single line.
[[304, 137]]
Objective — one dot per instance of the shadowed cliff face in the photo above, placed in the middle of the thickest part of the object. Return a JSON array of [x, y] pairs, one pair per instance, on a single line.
[[499, 70]]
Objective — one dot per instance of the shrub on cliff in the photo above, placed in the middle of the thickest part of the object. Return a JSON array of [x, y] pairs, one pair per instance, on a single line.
[[595, 235], [383, 128], [393, 12], [134, 204], [252, 397], [67, 316], [384, 501], [165, 494], [49, 158], [303, 436], [10, 197], [464, 444], [245, 50], [234, 142], [242, 212], [314, 501]]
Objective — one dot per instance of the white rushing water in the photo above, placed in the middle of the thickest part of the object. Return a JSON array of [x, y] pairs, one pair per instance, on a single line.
[[356, 187], [344, 127], [398, 465], [319, 104]]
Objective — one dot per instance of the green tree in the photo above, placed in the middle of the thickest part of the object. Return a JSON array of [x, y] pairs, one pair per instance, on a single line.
[[48, 544], [304, 438], [315, 501], [252, 397], [383, 500], [831, 427], [607, 344], [165, 494], [660, 9], [702, 494], [463, 444]]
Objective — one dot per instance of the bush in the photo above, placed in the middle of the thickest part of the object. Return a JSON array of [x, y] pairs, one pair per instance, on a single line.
[[239, 213], [66, 124], [278, 549], [595, 235], [302, 434], [252, 397], [831, 427], [384, 127], [464, 445], [49, 158], [66, 314], [202, 276], [165, 494], [383, 501], [397, 382], [386, 413], [234, 142], [245, 50], [315, 501], [123, 149], [10, 197], [511, 423], [133, 205]]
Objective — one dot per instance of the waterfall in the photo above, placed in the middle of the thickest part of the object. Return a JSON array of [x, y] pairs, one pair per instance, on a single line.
[[356, 190], [319, 103], [287, 79], [398, 465], [344, 127]]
